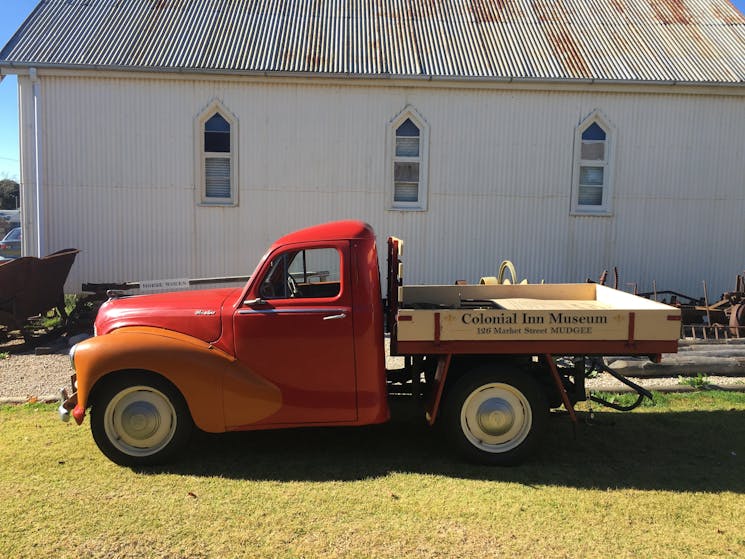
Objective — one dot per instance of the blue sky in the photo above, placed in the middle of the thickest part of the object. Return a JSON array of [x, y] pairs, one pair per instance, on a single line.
[[13, 14]]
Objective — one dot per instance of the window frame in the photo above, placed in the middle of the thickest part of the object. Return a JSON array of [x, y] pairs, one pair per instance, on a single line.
[[607, 163], [201, 156], [421, 204], [283, 256]]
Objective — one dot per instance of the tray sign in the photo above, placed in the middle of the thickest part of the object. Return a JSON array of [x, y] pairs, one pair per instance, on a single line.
[[533, 325]]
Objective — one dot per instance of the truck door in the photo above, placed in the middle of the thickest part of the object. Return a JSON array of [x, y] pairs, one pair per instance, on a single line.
[[295, 329]]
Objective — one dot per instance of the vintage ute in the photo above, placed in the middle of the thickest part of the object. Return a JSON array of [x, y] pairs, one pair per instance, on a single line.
[[302, 344]]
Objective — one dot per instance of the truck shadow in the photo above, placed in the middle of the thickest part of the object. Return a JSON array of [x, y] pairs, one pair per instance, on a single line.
[[688, 451]]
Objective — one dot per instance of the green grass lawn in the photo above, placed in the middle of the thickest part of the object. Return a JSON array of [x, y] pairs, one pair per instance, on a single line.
[[663, 481]]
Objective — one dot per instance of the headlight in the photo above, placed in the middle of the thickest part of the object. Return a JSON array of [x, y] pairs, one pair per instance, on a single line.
[[72, 356]]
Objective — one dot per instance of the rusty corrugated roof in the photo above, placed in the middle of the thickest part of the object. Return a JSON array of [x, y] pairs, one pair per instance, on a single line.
[[691, 41]]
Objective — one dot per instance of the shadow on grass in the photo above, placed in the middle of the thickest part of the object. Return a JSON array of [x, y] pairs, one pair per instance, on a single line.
[[686, 451]]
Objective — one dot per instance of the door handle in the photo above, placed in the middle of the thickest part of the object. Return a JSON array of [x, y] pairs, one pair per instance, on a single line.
[[335, 316]]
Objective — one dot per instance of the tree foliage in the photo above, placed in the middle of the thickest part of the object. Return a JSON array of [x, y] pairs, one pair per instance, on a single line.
[[10, 192]]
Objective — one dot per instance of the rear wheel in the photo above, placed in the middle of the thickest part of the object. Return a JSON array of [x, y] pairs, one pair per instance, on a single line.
[[495, 417], [140, 420]]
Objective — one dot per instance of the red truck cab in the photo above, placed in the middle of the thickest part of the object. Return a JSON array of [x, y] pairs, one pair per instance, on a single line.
[[311, 322], [300, 345]]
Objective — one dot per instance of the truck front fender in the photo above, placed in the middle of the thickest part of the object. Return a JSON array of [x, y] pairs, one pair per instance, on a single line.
[[217, 390]]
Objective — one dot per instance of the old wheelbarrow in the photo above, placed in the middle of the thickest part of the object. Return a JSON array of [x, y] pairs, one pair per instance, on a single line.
[[30, 286]]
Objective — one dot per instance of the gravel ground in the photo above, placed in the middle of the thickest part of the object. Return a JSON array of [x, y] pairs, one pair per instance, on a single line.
[[24, 377]]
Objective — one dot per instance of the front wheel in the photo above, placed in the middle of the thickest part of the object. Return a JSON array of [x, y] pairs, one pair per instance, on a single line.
[[140, 420], [495, 418]]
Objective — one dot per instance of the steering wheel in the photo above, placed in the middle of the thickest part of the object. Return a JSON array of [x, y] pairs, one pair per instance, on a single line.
[[292, 286]]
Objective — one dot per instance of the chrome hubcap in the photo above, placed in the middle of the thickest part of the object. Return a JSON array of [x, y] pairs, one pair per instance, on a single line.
[[140, 420], [495, 417]]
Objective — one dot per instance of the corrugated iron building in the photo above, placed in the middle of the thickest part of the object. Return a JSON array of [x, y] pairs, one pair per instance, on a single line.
[[177, 138]]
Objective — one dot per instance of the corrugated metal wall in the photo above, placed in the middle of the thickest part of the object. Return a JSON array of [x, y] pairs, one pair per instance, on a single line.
[[120, 180]]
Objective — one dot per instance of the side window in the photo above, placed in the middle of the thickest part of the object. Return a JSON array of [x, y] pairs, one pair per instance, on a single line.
[[303, 274], [406, 163], [216, 139], [408, 139], [217, 175], [592, 185]]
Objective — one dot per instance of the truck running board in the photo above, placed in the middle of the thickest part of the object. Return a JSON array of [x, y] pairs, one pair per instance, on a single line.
[[599, 365]]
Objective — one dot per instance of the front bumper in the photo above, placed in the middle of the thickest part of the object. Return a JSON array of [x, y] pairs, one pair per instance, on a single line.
[[70, 403]]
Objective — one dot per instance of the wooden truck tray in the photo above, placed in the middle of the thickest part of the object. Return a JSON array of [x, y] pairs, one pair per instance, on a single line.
[[550, 318]]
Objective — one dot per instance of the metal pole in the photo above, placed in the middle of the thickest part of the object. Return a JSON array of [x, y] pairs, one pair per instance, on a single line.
[[38, 165], [708, 313]]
